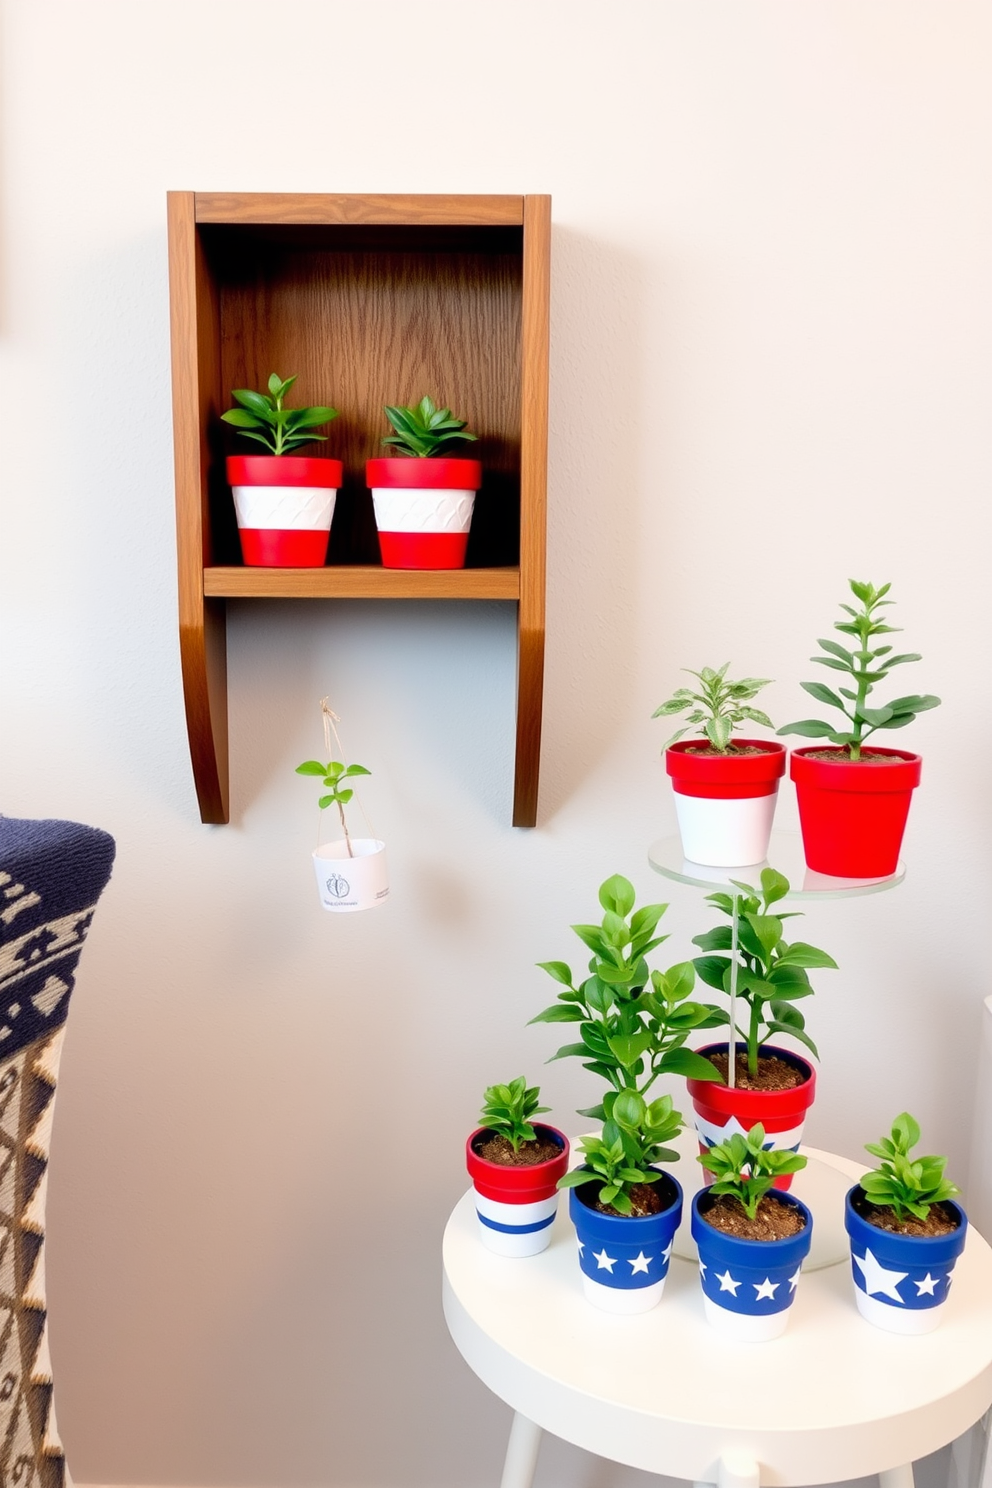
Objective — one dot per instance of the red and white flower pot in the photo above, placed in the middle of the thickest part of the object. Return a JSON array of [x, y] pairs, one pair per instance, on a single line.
[[516, 1206], [853, 814], [284, 506], [725, 803], [423, 509], [720, 1111], [351, 881]]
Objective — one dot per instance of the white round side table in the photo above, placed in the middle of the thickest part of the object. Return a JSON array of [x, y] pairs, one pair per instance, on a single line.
[[833, 1398]]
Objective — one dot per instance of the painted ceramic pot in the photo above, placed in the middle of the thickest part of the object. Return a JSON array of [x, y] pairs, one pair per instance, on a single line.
[[284, 505], [624, 1260], [853, 815], [423, 509], [516, 1207], [720, 1111], [749, 1285], [725, 803], [901, 1282]]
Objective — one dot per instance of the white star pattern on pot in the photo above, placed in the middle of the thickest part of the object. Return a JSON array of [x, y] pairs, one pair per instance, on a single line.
[[928, 1286], [603, 1261], [878, 1279], [640, 1264], [766, 1288], [794, 1279], [580, 1245], [950, 1278], [727, 1282], [702, 1268], [666, 1253]]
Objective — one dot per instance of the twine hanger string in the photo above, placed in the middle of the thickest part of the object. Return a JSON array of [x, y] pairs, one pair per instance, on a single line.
[[330, 721]]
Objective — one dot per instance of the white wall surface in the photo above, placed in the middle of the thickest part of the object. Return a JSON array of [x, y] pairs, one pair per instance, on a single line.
[[770, 371]]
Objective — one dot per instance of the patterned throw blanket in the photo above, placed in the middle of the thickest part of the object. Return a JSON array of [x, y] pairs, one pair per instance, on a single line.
[[51, 875]]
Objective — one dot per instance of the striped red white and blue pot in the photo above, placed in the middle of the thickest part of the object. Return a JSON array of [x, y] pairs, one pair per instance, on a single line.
[[516, 1206]]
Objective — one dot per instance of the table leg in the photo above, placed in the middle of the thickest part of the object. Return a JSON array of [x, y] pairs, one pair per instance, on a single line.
[[521, 1453], [897, 1477], [735, 1469]]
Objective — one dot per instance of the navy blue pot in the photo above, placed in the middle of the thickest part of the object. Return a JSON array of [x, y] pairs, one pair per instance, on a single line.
[[748, 1285], [901, 1281], [624, 1259]]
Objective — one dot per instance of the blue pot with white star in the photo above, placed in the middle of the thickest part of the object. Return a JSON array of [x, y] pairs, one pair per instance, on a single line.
[[901, 1282], [624, 1258], [749, 1285]]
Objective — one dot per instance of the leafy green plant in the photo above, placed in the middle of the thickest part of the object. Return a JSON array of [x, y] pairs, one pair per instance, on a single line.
[[264, 419], [865, 665], [333, 774], [424, 429], [745, 1169], [631, 1139], [633, 1022], [507, 1109], [901, 1183], [772, 973], [719, 706]]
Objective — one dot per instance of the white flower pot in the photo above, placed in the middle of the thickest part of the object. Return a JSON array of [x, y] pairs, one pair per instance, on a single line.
[[351, 883]]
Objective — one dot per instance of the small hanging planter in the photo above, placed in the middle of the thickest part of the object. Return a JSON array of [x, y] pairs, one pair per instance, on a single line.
[[351, 871], [902, 1274], [423, 500]]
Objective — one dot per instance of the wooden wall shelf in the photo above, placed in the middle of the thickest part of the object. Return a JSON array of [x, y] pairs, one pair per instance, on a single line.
[[370, 300]]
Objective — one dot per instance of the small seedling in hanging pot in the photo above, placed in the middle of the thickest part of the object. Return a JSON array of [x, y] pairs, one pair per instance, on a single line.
[[853, 799], [351, 871], [515, 1164], [752, 1237], [764, 977], [284, 502], [626, 1209], [424, 495], [725, 786], [906, 1233]]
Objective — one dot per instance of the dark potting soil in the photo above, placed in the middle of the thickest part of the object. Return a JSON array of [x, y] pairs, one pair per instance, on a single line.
[[498, 1149], [733, 749], [834, 757], [644, 1199], [940, 1221], [772, 1220], [773, 1073]]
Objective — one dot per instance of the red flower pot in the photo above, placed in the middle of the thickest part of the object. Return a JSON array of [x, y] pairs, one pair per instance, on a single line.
[[423, 509], [516, 1206], [725, 803], [720, 1111], [852, 814], [284, 505]]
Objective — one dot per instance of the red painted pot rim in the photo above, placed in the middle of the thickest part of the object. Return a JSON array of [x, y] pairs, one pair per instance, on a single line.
[[719, 1097], [517, 1185], [411, 472], [284, 470], [726, 776], [842, 774]]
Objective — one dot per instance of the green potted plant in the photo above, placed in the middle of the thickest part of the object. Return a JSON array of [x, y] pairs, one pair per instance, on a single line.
[[423, 496], [351, 871], [906, 1234], [752, 1238], [624, 1208], [854, 800], [725, 787], [768, 976], [632, 1023], [284, 502], [515, 1164]]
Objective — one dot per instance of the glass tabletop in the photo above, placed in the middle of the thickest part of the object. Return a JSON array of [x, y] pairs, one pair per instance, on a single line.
[[785, 854]]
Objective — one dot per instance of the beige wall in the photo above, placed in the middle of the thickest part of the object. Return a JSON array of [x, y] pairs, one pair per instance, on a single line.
[[770, 370]]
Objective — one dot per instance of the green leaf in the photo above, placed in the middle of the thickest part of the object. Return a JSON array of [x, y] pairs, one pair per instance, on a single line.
[[617, 895], [560, 1012], [357, 770], [242, 419], [807, 956], [686, 1062], [326, 801], [808, 728], [822, 693], [628, 1048], [255, 403], [558, 970], [311, 767]]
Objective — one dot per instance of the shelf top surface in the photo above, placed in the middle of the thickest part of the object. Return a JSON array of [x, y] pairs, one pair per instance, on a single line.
[[377, 209], [360, 581], [785, 853]]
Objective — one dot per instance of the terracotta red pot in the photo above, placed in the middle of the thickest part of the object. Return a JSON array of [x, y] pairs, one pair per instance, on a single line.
[[284, 505], [853, 815], [516, 1207], [720, 1111], [423, 509], [725, 803]]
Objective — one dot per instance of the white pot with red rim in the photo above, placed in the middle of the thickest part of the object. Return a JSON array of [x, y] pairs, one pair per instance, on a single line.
[[423, 509], [516, 1206], [852, 813], [351, 881], [284, 506], [721, 1111], [725, 803]]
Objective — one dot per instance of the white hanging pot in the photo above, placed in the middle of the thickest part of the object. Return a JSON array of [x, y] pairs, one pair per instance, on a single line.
[[351, 883]]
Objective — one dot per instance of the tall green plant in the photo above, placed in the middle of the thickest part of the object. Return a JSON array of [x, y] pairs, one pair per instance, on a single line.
[[265, 419], [864, 666], [632, 1022], [772, 973]]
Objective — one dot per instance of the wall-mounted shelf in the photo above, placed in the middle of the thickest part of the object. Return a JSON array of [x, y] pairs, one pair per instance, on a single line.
[[369, 299]]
